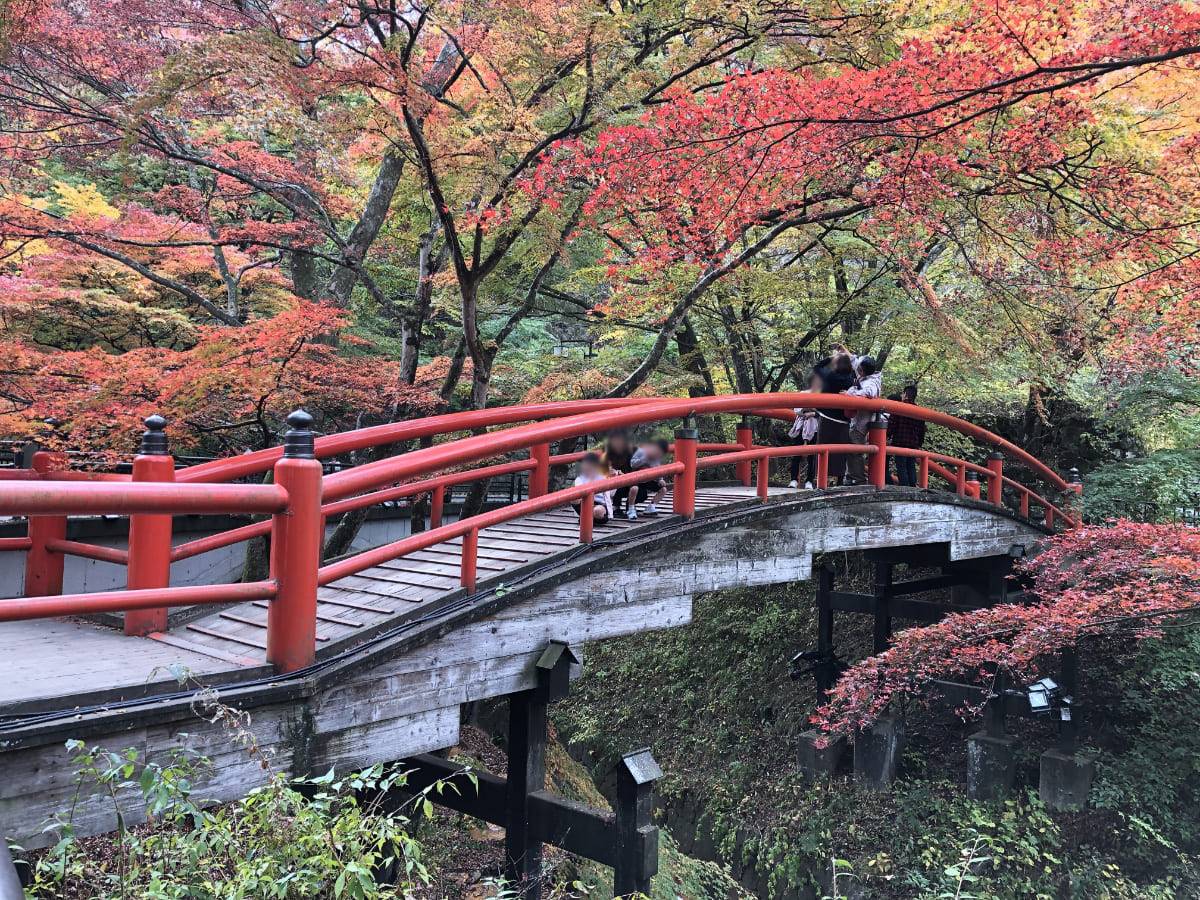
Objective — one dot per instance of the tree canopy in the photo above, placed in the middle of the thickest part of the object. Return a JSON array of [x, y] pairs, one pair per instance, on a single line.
[[218, 210]]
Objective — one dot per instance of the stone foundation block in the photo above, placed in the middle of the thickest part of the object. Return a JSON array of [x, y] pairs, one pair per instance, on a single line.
[[877, 752], [991, 766], [1066, 779], [820, 762]]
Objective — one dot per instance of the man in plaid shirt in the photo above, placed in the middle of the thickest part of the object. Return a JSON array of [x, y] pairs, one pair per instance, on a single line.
[[903, 431]]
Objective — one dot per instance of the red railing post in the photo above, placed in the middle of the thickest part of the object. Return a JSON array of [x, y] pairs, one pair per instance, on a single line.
[[995, 487], [1049, 516], [683, 496], [971, 486], [149, 564], [539, 476], [44, 567], [296, 539], [923, 473], [470, 555], [764, 477], [587, 515], [822, 470], [745, 437], [436, 504], [960, 480], [877, 464], [1025, 504]]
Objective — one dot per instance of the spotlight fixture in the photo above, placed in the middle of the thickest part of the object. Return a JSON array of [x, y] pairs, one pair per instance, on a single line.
[[1042, 696]]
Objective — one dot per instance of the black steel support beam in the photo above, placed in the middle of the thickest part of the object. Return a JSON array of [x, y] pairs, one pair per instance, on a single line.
[[526, 775], [897, 607], [825, 673], [920, 555], [879, 603]]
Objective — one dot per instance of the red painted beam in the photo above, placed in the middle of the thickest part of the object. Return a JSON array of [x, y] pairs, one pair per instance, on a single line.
[[48, 498], [88, 551], [431, 426], [19, 608]]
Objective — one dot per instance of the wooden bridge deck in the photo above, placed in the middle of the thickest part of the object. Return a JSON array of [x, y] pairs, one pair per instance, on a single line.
[[56, 663]]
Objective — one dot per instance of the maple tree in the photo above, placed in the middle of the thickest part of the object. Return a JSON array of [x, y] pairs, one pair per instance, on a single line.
[[981, 141], [1123, 578]]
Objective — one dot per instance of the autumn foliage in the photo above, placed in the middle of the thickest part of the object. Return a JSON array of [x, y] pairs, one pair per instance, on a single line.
[[1124, 578], [331, 199]]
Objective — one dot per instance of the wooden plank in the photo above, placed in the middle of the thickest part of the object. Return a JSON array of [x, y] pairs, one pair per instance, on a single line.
[[453, 549], [176, 641], [217, 635], [445, 564], [236, 617], [336, 598], [41, 781]]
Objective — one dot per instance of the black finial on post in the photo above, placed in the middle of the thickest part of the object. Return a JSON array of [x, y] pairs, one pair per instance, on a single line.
[[298, 440], [154, 438], [1074, 476], [972, 475]]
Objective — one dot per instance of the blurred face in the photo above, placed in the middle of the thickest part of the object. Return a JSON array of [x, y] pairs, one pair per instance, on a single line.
[[910, 397], [653, 451], [618, 442], [589, 468], [814, 383]]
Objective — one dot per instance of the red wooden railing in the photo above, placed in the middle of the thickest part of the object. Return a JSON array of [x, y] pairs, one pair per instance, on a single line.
[[300, 499]]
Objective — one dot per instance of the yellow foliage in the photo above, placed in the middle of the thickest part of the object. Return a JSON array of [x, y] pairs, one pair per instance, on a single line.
[[84, 201]]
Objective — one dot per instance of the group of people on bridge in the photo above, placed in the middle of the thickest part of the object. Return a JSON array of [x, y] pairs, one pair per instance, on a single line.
[[841, 372], [859, 376]]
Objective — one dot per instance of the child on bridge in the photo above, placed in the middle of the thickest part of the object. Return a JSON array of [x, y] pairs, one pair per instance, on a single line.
[[591, 470], [647, 456]]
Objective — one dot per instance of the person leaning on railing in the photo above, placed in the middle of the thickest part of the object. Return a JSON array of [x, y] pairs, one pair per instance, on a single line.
[[837, 376]]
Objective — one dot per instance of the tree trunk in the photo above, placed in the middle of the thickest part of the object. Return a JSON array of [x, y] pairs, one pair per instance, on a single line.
[[344, 533]]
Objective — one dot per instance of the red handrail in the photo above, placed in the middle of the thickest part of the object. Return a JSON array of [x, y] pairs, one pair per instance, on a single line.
[[261, 461], [48, 498], [430, 459], [120, 601]]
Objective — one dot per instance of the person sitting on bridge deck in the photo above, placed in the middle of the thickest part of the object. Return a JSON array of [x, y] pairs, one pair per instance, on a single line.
[[837, 376], [869, 384], [905, 431], [647, 456], [804, 432], [617, 455], [591, 470]]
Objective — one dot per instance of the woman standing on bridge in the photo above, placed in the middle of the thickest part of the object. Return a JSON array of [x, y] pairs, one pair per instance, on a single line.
[[837, 376], [803, 433]]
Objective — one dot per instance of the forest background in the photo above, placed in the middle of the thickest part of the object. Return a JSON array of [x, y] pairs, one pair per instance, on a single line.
[[220, 211]]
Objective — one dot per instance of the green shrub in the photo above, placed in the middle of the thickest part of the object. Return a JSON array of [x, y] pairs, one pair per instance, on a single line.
[[315, 838], [1161, 487]]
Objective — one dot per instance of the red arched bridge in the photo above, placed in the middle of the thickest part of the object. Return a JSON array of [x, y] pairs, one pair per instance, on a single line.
[[366, 658]]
